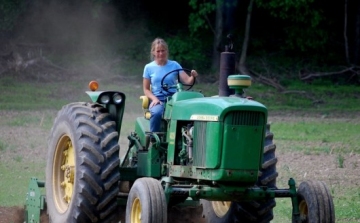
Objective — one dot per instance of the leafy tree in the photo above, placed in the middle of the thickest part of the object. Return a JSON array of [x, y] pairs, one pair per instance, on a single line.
[[10, 10], [215, 16], [303, 22]]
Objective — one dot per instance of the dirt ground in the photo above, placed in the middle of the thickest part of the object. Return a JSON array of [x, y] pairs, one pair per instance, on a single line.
[[30, 143], [290, 164], [16, 215]]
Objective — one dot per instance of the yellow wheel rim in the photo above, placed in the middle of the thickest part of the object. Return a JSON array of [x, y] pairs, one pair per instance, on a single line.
[[136, 211], [303, 209], [221, 207], [63, 173]]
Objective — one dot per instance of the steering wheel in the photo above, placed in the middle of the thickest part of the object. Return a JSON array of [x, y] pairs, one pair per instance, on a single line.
[[166, 87]]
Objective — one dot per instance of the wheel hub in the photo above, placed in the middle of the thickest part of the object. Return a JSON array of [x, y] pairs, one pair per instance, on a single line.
[[63, 173], [136, 211], [303, 209], [221, 207]]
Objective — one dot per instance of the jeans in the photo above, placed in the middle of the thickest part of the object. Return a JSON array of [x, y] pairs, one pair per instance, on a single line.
[[156, 115]]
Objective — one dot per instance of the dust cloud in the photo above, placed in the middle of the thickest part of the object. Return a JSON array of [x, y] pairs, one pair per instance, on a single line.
[[70, 25], [76, 35]]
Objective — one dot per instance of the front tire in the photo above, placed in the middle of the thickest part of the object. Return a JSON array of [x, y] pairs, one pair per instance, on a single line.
[[146, 202], [82, 165], [315, 202]]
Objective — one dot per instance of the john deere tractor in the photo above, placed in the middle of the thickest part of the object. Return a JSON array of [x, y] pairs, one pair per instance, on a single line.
[[214, 153]]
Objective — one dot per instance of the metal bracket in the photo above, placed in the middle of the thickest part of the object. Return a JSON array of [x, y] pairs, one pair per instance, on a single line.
[[35, 201]]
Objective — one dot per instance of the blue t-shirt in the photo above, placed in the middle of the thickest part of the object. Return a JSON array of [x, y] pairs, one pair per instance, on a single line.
[[155, 73]]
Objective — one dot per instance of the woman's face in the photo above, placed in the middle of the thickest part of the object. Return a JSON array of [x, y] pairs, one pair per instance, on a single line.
[[160, 54]]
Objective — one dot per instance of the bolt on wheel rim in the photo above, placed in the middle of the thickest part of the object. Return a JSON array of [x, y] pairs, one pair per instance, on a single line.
[[63, 173]]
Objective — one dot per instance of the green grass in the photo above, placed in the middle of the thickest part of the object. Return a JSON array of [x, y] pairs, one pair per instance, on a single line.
[[25, 120], [347, 207], [319, 135], [315, 131], [17, 95], [321, 99], [299, 97], [322, 137], [3, 145], [345, 211], [15, 177]]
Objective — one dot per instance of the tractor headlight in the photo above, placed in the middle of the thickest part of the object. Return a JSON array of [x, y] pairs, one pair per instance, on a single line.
[[104, 99], [117, 98]]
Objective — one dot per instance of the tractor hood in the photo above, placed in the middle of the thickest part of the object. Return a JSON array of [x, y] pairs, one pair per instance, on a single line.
[[211, 108]]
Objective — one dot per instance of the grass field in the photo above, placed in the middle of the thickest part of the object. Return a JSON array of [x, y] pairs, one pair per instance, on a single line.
[[316, 133]]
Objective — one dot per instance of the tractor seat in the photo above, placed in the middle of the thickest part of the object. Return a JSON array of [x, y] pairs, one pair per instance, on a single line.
[[145, 106]]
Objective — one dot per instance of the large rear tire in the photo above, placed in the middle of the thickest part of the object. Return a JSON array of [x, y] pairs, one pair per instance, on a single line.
[[146, 202], [260, 211], [315, 202], [82, 165]]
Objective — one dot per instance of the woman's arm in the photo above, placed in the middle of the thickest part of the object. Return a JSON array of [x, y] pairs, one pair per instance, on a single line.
[[186, 79], [148, 93]]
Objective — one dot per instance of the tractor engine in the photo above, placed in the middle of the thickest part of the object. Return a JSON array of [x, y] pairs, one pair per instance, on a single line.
[[186, 145], [216, 138]]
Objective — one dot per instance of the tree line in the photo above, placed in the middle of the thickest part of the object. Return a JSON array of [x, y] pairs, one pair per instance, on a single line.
[[320, 33]]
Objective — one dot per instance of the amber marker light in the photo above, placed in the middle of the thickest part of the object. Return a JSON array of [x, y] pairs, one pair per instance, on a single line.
[[93, 85]]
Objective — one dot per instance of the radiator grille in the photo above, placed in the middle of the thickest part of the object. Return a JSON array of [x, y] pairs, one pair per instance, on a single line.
[[199, 144], [248, 118]]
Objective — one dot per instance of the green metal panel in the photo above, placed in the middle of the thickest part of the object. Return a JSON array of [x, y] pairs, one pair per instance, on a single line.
[[128, 173], [184, 95], [214, 106], [180, 96], [94, 95], [35, 201], [213, 140], [117, 112], [142, 125], [150, 165], [219, 175], [243, 147]]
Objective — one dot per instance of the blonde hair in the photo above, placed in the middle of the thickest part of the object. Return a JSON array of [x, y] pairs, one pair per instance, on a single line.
[[158, 42]]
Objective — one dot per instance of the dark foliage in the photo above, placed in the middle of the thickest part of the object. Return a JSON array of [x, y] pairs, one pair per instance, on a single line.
[[126, 28]]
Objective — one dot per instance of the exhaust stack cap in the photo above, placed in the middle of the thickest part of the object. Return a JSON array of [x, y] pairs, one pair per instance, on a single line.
[[238, 82]]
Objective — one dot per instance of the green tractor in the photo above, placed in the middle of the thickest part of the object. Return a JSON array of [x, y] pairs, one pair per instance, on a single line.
[[214, 153]]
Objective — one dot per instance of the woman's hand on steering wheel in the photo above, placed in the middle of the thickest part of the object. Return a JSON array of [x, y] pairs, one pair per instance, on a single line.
[[193, 73], [187, 71]]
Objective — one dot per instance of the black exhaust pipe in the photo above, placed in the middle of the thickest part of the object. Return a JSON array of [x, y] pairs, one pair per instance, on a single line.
[[227, 67]]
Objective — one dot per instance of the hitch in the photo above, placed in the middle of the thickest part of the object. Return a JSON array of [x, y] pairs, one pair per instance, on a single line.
[[35, 201]]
